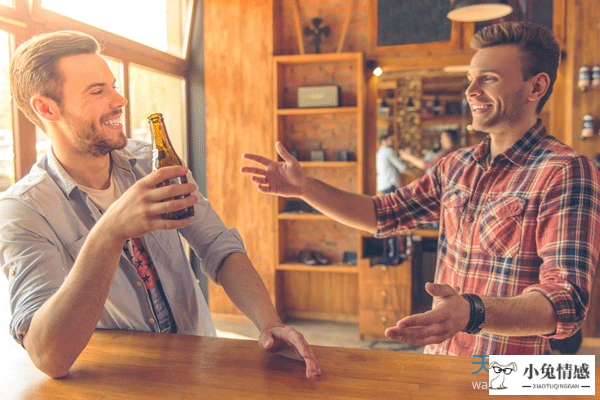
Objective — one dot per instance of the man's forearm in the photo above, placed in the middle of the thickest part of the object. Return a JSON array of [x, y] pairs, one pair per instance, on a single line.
[[352, 209], [524, 315], [247, 291], [62, 327]]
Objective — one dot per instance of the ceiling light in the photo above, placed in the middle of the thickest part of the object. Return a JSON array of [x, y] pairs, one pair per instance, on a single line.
[[478, 10]]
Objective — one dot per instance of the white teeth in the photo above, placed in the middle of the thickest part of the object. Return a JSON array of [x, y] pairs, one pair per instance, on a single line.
[[112, 122], [477, 108]]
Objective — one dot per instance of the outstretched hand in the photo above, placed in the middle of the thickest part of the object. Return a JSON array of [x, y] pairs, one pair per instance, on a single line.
[[290, 343], [449, 314], [285, 178]]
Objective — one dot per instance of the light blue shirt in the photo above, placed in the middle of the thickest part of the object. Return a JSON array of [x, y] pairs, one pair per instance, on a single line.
[[45, 219], [388, 166]]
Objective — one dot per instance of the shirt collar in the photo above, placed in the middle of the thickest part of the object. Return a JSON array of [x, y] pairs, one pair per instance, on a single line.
[[518, 152], [122, 159]]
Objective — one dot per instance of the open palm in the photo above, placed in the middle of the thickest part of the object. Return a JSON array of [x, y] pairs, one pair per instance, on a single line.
[[285, 178]]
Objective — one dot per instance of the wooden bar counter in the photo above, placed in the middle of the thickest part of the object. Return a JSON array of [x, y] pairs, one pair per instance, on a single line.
[[120, 365]]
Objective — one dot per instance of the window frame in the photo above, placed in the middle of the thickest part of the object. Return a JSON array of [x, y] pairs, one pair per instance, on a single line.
[[27, 18]]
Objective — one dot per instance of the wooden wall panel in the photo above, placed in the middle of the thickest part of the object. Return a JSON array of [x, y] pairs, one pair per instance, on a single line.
[[238, 45]]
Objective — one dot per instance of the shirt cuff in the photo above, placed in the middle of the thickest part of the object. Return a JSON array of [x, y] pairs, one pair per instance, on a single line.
[[567, 320]]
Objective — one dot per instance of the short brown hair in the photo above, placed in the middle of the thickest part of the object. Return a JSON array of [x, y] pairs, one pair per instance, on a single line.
[[537, 43], [34, 67]]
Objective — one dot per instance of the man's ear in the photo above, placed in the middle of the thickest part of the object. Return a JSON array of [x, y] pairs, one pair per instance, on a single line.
[[45, 108], [539, 86]]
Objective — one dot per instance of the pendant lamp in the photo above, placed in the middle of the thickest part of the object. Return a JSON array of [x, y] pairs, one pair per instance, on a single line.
[[478, 10]]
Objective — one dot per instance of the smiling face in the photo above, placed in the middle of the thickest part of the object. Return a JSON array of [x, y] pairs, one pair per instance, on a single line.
[[497, 90], [92, 107]]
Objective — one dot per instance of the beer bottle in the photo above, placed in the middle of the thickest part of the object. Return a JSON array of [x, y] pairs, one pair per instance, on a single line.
[[163, 155]]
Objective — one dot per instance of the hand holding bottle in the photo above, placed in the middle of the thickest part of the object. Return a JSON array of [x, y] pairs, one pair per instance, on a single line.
[[140, 208]]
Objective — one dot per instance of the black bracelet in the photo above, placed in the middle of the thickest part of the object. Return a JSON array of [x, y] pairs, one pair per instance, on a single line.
[[477, 316]]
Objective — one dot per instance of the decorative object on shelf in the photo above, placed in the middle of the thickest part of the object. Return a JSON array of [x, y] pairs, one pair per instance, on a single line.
[[317, 31], [410, 105], [585, 78], [313, 257], [299, 207], [437, 106], [306, 257], [350, 258], [596, 77], [384, 109], [344, 155], [317, 155], [319, 96], [588, 126], [478, 10]]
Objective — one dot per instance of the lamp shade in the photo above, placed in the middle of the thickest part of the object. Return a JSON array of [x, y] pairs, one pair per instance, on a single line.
[[477, 10]]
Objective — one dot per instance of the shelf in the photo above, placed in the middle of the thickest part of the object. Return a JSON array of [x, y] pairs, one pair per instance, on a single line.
[[328, 164], [332, 131], [317, 110], [320, 58], [588, 137], [303, 217], [345, 269], [441, 120]]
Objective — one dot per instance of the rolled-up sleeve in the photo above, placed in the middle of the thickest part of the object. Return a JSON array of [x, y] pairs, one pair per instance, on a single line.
[[210, 239], [30, 261], [568, 238]]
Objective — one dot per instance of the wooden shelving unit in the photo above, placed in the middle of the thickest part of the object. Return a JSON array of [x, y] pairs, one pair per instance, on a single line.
[[319, 291]]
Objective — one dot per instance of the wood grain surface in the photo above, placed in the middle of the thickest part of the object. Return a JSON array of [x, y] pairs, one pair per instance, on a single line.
[[137, 365]]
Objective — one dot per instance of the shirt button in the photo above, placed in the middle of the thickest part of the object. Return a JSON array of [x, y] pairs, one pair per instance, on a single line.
[[151, 320], [464, 254], [138, 283], [12, 272]]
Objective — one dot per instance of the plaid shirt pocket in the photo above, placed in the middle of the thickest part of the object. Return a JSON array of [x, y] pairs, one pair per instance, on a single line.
[[454, 207], [501, 227]]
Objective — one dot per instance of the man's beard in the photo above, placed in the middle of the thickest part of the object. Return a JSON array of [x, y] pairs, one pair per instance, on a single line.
[[89, 139], [513, 112]]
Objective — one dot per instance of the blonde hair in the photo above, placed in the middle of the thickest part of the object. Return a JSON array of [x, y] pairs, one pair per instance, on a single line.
[[34, 68], [541, 52]]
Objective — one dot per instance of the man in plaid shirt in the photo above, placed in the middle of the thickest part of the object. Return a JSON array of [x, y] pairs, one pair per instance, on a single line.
[[519, 213]]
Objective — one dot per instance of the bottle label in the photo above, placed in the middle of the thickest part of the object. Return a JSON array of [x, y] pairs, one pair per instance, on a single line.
[[155, 160]]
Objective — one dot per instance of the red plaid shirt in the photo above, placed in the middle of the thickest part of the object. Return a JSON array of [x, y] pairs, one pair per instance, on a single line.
[[529, 223]]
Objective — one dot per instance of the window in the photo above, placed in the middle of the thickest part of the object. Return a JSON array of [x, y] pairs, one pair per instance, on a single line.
[[7, 169], [143, 47], [161, 24], [151, 92]]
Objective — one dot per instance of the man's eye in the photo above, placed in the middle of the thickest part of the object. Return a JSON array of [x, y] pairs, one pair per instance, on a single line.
[[97, 92]]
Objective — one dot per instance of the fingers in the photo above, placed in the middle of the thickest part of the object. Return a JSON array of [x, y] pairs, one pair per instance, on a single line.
[[440, 289], [283, 152], [418, 336], [290, 343], [253, 171], [303, 348], [256, 158], [423, 329], [163, 174]]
